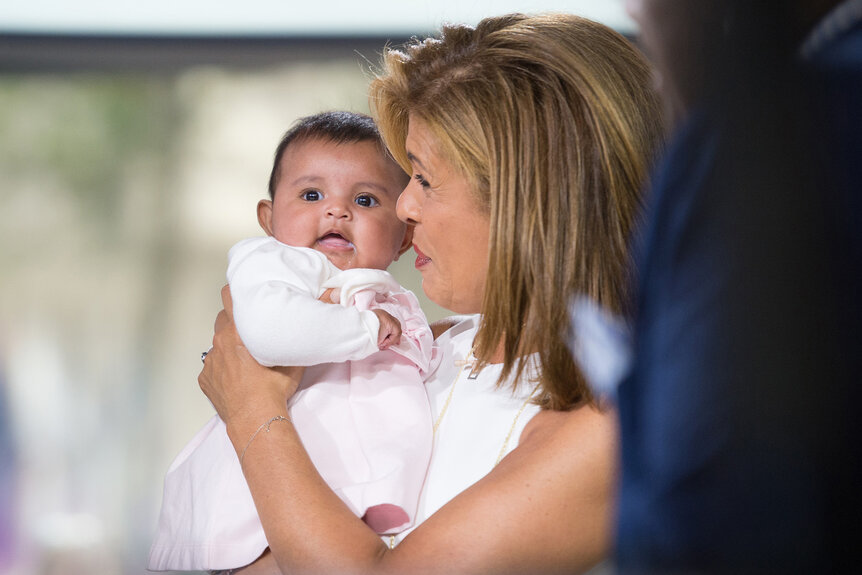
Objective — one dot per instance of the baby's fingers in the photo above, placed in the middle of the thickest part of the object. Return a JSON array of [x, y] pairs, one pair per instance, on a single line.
[[391, 336]]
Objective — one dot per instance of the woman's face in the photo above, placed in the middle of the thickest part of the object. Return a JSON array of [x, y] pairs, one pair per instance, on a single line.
[[451, 230]]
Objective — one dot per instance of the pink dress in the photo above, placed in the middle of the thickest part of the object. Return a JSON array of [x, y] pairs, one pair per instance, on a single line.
[[362, 414]]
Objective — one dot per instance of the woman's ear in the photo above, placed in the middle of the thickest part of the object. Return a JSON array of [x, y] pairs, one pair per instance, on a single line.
[[264, 215], [407, 242]]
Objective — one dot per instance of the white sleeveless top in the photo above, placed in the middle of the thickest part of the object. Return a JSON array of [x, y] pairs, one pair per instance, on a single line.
[[472, 433]]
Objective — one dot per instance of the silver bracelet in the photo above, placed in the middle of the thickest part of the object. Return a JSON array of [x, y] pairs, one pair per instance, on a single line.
[[264, 427]]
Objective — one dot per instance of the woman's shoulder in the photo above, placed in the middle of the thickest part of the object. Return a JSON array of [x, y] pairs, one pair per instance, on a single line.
[[591, 429]]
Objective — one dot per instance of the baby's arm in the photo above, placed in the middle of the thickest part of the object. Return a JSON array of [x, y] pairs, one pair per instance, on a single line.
[[275, 288], [390, 328]]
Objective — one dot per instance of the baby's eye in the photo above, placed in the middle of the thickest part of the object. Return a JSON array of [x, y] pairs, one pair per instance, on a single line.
[[366, 201], [310, 195]]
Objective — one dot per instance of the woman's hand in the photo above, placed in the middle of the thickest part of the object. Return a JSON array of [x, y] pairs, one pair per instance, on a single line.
[[239, 388]]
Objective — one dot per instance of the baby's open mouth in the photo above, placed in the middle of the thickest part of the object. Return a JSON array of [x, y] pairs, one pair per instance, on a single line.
[[334, 240]]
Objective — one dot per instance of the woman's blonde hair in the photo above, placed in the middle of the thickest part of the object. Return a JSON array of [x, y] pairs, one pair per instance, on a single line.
[[553, 120]]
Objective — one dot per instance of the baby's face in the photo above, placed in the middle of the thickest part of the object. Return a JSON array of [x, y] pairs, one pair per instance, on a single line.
[[338, 199]]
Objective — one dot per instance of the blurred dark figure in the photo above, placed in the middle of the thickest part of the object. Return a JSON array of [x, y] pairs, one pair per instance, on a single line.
[[740, 419]]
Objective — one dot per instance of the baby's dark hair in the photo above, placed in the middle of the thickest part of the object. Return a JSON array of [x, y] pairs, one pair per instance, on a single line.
[[337, 126]]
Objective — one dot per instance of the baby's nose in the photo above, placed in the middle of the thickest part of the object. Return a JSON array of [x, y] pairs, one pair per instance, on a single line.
[[337, 209]]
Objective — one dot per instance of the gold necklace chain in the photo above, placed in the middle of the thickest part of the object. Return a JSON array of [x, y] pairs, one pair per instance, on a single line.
[[464, 363], [514, 423]]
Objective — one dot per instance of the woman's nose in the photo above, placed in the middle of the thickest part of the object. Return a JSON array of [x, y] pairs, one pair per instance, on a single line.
[[407, 207]]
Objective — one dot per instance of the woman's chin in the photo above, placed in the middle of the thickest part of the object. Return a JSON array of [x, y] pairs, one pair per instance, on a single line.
[[439, 297]]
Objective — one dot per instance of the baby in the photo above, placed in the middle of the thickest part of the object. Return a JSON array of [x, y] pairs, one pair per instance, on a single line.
[[361, 409]]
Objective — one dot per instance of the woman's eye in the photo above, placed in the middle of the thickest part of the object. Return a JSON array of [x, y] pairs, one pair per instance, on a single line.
[[366, 201], [422, 181], [310, 195]]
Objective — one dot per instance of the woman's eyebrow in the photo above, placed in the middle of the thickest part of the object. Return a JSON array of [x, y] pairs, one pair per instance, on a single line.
[[415, 160]]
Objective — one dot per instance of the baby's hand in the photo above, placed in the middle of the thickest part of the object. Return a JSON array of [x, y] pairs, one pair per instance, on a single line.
[[390, 329]]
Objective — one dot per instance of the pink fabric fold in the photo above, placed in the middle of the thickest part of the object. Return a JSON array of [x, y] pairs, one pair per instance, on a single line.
[[366, 425]]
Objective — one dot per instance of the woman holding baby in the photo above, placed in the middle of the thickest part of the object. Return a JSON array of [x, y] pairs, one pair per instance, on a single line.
[[527, 140]]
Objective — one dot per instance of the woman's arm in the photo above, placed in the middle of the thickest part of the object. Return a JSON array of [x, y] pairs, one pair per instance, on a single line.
[[545, 508]]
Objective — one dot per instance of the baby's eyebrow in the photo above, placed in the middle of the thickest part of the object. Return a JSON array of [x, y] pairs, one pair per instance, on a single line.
[[307, 180], [318, 180], [380, 188]]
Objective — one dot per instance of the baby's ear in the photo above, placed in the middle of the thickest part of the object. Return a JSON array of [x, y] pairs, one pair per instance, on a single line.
[[264, 215], [407, 242]]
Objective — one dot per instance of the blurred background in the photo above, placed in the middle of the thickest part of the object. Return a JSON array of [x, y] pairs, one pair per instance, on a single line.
[[135, 141]]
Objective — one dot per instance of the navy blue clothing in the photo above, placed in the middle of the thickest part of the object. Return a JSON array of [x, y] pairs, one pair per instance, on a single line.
[[740, 434]]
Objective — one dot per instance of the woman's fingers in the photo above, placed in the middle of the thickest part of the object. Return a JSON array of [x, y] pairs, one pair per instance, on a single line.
[[204, 377], [222, 320], [226, 300], [330, 295], [234, 382], [224, 326]]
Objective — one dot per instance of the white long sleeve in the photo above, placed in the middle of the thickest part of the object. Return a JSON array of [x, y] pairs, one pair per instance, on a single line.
[[278, 316]]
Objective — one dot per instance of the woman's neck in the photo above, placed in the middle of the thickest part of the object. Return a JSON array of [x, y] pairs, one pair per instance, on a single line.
[[498, 355]]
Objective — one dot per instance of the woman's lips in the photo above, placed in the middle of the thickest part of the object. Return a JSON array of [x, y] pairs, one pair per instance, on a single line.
[[421, 259]]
